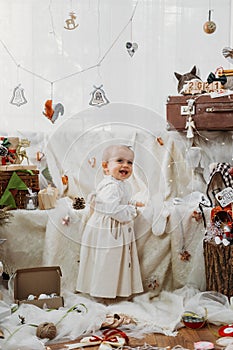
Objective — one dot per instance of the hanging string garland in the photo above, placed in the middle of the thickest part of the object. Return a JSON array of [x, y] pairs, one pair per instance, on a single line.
[[98, 95]]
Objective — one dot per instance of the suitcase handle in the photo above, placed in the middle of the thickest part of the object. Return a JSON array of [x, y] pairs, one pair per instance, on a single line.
[[218, 110]]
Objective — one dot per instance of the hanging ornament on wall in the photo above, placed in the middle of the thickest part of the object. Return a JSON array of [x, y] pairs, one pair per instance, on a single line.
[[131, 48], [130, 45], [18, 97], [228, 53], [70, 22], [209, 26], [52, 113], [98, 98]]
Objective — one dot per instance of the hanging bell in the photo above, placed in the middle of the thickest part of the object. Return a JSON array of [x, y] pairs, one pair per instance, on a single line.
[[98, 97], [209, 26], [18, 97]]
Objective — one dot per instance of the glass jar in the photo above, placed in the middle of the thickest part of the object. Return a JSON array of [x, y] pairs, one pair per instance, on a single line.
[[31, 201]]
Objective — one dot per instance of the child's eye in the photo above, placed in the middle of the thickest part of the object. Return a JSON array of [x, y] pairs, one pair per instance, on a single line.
[[119, 160], [130, 163]]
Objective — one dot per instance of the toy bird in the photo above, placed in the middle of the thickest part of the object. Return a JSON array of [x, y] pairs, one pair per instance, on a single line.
[[53, 113]]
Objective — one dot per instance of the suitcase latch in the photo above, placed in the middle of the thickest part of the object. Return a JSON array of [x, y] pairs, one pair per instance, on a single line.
[[209, 109]]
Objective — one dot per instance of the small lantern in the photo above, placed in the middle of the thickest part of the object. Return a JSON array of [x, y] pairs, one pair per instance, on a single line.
[[18, 97], [98, 97], [31, 201]]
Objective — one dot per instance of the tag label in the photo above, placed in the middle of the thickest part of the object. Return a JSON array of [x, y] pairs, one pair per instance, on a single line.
[[225, 197]]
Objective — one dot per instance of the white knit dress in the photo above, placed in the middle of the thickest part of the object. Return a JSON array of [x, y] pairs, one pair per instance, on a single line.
[[109, 265]]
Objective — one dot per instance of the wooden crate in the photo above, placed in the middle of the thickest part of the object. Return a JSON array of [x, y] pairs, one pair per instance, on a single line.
[[31, 180]]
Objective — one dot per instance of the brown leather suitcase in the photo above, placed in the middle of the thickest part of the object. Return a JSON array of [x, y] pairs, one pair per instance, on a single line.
[[207, 113]]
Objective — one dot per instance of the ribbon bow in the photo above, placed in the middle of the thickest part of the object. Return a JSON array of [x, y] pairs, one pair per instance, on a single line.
[[212, 77], [111, 337], [7, 154]]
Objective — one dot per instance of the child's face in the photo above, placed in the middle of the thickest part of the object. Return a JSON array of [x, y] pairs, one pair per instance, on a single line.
[[120, 164]]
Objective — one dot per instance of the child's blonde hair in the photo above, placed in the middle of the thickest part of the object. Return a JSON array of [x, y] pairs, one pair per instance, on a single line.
[[109, 150]]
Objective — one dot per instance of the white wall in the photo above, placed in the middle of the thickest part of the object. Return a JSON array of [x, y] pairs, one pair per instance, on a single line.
[[169, 34]]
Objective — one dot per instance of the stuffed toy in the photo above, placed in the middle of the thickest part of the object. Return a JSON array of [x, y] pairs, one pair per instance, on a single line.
[[184, 78]]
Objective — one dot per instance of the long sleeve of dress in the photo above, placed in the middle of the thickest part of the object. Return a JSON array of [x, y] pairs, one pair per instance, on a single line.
[[112, 200]]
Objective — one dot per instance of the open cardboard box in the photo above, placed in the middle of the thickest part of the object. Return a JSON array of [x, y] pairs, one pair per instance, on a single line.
[[36, 281]]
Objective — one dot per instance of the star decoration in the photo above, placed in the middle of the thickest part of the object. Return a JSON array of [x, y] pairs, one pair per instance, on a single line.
[[152, 283], [185, 255], [197, 215], [66, 220]]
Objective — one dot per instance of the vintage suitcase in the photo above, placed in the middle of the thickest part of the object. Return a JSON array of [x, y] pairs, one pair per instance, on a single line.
[[207, 113]]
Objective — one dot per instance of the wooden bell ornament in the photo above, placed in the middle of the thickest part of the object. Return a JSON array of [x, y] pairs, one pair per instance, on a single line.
[[209, 26]]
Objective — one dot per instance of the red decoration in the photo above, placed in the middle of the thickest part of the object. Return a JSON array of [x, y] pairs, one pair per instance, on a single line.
[[226, 331], [53, 113], [196, 215], [185, 255], [48, 109]]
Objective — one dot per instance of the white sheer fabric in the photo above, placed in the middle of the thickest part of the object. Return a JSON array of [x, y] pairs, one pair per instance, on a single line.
[[169, 35]]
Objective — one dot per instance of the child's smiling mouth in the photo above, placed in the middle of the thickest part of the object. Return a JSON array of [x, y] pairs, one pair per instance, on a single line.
[[123, 172]]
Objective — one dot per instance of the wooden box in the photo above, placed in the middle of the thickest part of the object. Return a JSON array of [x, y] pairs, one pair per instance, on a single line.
[[218, 267], [208, 113], [28, 176]]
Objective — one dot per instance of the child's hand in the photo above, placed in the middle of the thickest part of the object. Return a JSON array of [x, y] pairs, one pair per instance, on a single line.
[[140, 204]]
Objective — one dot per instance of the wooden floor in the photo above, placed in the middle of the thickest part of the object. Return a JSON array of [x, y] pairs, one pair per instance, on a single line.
[[186, 338]]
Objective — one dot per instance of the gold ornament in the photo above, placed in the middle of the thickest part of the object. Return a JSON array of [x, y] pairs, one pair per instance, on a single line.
[[70, 22], [209, 26], [21, 150]]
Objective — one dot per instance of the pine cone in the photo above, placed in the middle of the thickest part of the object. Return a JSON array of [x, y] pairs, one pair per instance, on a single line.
[[78, 203]]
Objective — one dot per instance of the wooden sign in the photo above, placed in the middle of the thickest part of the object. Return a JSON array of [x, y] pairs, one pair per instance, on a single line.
[[200, 87]]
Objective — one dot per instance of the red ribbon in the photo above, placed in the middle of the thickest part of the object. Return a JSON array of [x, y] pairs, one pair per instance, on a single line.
[[110, 336]]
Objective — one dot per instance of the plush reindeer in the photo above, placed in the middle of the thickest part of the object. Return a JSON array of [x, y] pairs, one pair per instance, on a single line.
[[183, 78]]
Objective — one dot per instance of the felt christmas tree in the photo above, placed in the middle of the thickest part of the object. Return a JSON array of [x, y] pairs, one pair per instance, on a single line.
[[14, 185]]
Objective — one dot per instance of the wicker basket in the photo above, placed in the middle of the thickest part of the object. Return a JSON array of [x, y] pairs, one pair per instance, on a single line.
[[31, 181]]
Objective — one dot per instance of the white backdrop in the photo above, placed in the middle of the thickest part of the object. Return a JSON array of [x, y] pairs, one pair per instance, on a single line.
[[36, 50]]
